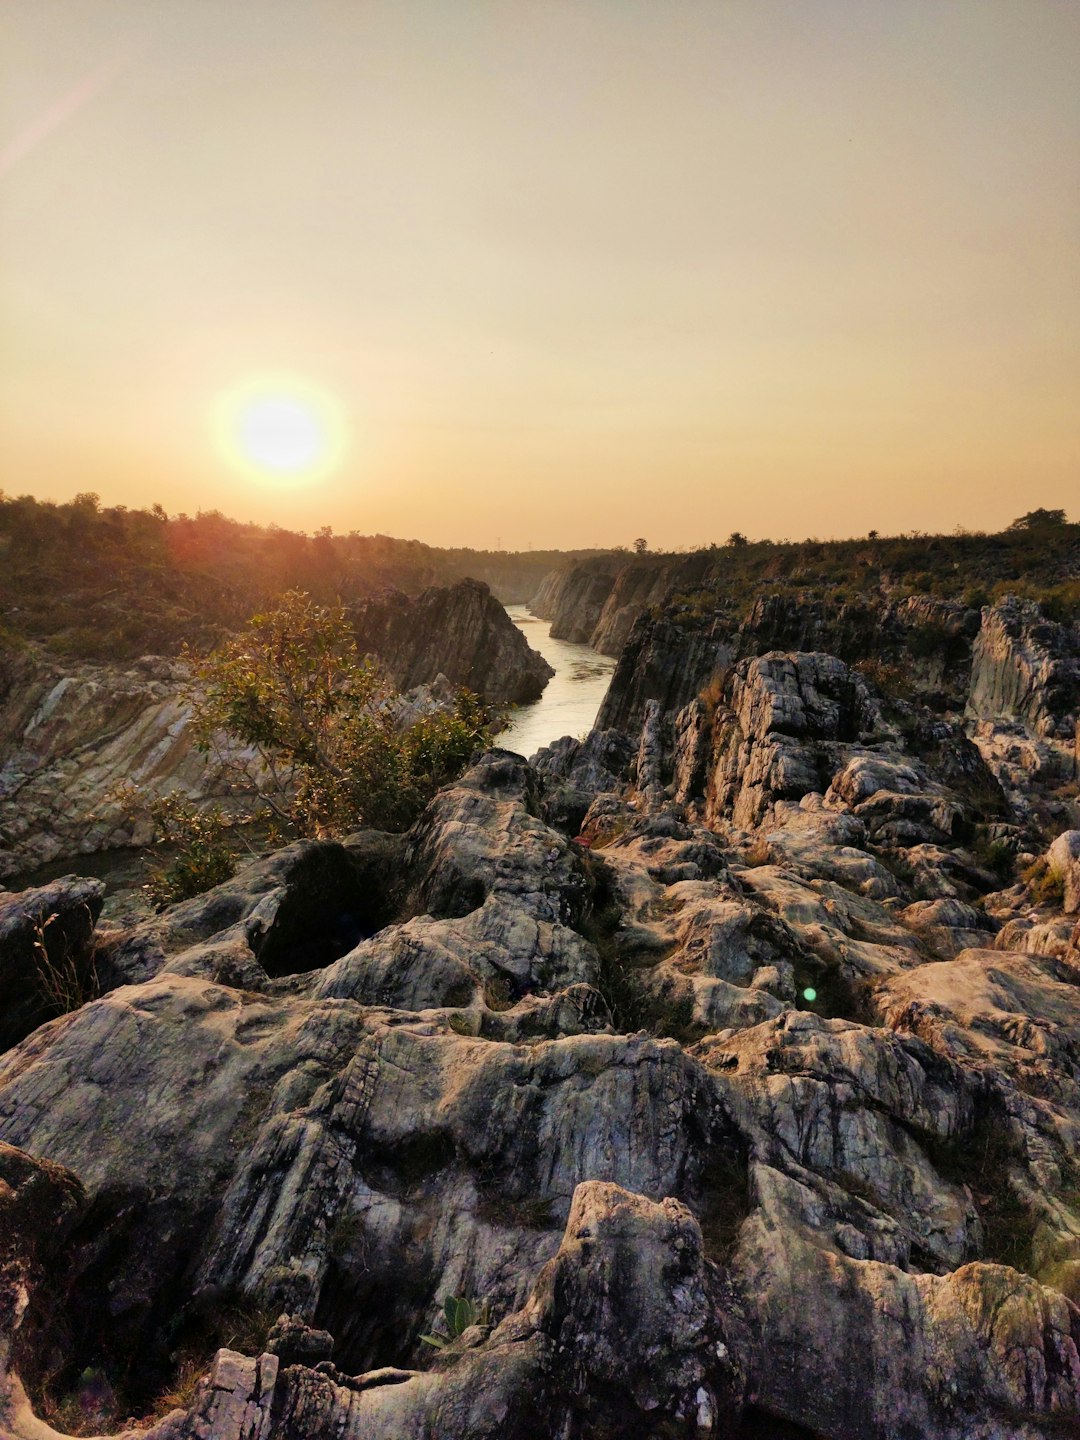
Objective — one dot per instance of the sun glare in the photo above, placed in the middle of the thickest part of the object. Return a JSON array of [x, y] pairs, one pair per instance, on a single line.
[[281, 429]]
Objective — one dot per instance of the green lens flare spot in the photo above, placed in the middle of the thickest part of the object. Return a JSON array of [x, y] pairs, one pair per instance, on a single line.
[[809, 994]]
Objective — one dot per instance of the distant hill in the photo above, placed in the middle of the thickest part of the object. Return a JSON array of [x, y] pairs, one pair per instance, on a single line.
[[112, 583]]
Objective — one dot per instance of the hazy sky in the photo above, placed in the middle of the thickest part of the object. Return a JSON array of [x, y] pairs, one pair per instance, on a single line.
[[570, 271]]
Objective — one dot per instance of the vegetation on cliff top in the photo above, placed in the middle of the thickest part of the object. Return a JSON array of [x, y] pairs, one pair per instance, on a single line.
[[112, 584]]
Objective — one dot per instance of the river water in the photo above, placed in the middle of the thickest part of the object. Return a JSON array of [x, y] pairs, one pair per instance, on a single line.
[[571, 697]]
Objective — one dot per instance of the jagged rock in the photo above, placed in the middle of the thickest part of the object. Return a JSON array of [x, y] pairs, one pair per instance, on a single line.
[[576, 771], [666, 661], [1063, 860], [46, 960], [1027, 668], [295, 1343], [949, 926], [787, 714], [648, 767], [71, 737], [460, 632], [981, 1354], [621, 1334]]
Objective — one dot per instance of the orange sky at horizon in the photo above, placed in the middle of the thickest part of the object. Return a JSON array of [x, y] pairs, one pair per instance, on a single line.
[[563, 272]]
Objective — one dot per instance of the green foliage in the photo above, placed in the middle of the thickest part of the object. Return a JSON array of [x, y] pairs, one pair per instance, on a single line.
[[108, 583], [1045, 885], [459, 1314], [203, 858], [323, 725], [997, 856]]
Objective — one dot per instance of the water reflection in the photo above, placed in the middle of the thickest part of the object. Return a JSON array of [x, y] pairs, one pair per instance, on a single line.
[[572, 697]]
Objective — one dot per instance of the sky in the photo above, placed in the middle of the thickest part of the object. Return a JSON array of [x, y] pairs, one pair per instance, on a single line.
[[544, 272]]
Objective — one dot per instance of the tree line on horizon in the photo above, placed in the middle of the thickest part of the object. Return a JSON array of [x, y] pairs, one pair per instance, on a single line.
[[112, 583]]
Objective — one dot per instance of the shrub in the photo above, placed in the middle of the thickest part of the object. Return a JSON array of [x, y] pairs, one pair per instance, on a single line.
[[204, 857], [66, 979], [322, 724], [1045, 885]]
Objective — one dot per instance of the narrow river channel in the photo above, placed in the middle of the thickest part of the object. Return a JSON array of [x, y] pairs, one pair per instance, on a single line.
[[572, 696]]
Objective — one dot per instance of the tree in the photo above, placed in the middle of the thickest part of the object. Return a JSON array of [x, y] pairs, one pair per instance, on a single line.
[[320, 726], [1038, 520], [737, 538], [640, 545]]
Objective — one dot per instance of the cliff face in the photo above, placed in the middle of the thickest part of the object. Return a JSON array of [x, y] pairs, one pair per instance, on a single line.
[[572, 598], [596, 602], [675, 654], [460, 631], [1026, 667], [72, 735]]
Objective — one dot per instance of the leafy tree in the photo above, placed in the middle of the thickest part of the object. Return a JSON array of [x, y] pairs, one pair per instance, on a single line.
[[738, 539], [640, 545], [1038, 520], [319, 730]]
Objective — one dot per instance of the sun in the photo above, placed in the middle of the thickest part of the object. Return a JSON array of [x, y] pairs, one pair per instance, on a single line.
[[280, 428]]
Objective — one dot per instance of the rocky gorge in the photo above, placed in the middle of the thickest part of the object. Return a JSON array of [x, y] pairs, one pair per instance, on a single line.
[[715, 1074], [74, 736]]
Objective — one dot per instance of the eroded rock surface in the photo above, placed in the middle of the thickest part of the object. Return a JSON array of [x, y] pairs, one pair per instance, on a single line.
[[459, 631], [728, 1064]]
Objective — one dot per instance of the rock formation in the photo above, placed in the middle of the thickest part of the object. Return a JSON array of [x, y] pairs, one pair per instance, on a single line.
[[460, 631], [726, 1061], [71, 736]]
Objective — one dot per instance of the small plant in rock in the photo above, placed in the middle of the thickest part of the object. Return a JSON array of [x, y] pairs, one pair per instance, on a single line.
[[1045, 886], [203, 859], [997, 856], [66, 980], [459, 1314]]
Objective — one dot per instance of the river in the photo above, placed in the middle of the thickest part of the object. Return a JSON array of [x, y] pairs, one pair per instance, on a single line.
[[571, 697]]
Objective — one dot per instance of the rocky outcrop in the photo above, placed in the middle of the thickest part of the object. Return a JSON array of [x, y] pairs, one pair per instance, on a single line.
[[72, 736], [1027, 668], [921, 645], [780, 734], [1024, 703], [720, 1066], [46, 953], [460, 631]]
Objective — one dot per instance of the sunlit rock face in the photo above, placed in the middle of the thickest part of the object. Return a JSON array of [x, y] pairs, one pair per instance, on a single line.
[[459, 631], [726, 1063]]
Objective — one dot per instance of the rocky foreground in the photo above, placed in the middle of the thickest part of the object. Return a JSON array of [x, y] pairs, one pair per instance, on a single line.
[[728, 1062]]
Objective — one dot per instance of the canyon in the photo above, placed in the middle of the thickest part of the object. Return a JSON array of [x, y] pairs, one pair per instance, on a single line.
[[725, 1059]]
